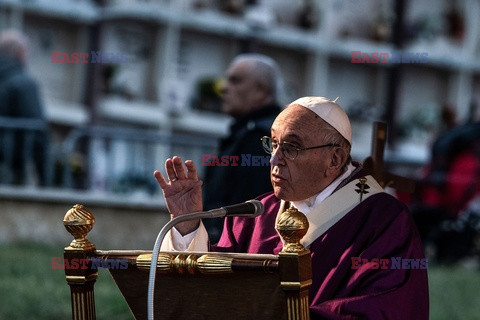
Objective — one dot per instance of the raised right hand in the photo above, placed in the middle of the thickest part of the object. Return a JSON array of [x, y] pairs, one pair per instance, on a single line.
[[183, 191]]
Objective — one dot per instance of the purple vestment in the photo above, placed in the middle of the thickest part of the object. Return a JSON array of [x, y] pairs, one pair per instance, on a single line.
[[344, 286]]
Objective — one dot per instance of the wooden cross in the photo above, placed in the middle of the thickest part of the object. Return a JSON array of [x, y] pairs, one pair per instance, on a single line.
[[375, 163]]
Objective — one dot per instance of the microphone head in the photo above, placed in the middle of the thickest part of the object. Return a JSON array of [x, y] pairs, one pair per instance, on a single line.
[[259, 208], [250, 208]]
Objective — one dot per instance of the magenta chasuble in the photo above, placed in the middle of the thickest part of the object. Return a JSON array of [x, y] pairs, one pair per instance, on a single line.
[[369, 265]]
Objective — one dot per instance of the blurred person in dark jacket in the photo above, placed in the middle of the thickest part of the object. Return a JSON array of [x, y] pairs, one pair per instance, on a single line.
[[249, 95], [447, 191], [20, 99]]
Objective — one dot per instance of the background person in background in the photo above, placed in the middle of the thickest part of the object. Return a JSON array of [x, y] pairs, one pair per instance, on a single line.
[[19, 98], [249, 95], [447, 193], [446, 202]]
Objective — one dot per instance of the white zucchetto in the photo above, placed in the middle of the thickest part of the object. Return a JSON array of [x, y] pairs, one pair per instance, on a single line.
[[329, 111]]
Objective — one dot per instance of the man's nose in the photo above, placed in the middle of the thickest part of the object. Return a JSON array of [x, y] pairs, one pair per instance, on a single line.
[[275, 157]]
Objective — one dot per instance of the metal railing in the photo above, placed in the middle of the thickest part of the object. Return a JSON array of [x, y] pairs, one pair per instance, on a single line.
[[96, 158], [122, 160]]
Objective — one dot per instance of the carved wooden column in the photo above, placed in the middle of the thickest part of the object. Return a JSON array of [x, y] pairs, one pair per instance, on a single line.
[[295, 263], [79, 221]]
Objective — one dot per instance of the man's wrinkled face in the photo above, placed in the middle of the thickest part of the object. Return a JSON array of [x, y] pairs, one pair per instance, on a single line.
[[240, 90], [306, 175]]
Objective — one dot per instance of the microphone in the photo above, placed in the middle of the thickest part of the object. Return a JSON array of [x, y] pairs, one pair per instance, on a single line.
[[250, 208]]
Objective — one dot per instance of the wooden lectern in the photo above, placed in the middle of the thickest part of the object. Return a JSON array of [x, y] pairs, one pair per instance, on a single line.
[[196, 285]]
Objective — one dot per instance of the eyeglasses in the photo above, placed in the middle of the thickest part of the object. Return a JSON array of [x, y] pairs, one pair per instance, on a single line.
[[288, 149]]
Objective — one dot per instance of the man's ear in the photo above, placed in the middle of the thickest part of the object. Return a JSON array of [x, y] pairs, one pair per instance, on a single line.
[[338, 159]]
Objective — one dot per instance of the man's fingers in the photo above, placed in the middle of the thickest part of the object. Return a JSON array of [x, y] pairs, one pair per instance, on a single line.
[[179, 169], [176, 170], [160, 179], [169, 168], [192, 170]]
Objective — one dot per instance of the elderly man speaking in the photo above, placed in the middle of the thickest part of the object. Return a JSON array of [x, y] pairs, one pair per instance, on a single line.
[[367, 259]]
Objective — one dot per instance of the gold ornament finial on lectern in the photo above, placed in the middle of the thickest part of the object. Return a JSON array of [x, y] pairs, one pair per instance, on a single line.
[[79, 221], [292, 226]]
